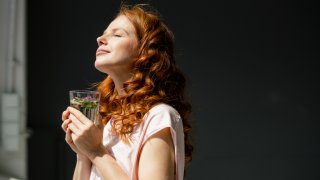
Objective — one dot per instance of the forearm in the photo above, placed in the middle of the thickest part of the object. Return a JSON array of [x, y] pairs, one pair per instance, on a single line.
[[82, 169], [107, 167]]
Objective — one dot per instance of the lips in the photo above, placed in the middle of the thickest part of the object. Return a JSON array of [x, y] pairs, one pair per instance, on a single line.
[[102, 51]]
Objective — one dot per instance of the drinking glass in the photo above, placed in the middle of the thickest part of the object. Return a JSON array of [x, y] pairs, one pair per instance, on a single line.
[[86, 101]]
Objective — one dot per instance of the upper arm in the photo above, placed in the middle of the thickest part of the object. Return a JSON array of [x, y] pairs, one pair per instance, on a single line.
[[157, 158]]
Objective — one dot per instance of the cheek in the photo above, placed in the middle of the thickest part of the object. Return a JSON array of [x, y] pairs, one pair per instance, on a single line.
[[129, 48]]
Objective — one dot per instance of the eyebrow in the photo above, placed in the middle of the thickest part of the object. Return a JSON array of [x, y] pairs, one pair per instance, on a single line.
[[116, 29]]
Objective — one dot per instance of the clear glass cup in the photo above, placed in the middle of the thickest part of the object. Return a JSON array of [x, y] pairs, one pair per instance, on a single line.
[[86, 101]]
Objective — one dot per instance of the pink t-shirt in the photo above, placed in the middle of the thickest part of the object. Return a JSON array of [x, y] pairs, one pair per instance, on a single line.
[[159, 117]]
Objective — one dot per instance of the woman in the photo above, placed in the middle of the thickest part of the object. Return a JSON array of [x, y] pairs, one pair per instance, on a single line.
[[143, 132]]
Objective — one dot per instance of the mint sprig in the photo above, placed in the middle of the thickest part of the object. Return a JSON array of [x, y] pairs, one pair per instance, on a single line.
[[86, 102]]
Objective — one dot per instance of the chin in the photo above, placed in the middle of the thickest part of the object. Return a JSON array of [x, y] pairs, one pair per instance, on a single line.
[[99, 67]]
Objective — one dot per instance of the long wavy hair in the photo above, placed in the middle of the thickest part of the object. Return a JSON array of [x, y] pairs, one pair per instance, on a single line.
[[156, 78]]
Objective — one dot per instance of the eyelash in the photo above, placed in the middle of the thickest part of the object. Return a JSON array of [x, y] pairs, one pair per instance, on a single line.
[[114, 35], [117, 35]]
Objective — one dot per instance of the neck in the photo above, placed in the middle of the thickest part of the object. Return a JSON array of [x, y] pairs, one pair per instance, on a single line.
[[119, 80]]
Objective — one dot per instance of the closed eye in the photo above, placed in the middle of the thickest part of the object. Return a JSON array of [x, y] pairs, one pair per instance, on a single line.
[[117, 35]]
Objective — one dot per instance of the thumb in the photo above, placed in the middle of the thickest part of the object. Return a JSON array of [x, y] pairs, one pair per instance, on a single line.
[[98, 122]]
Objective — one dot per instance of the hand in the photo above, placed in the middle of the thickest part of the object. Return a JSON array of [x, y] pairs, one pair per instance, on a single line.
[[68, 139], [86, 136]]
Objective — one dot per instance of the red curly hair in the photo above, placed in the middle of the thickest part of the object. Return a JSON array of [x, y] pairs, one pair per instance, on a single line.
[[156, 78]]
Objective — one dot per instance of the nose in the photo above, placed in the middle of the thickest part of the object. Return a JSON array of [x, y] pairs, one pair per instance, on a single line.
[[101, 40]]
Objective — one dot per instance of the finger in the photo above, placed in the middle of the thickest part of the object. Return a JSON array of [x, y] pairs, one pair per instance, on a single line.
[[73, 136], [65, 124], [78, 114], [68, 136], [76, 121], [65, 114], [74, 129]]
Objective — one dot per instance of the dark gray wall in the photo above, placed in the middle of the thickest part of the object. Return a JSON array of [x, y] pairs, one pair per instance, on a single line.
[[253, 74]]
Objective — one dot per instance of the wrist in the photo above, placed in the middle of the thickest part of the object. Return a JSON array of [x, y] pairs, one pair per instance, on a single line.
[[99, 152], [81, 157]]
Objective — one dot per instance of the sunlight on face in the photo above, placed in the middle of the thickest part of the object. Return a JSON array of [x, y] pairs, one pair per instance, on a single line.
[[117, 47]]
